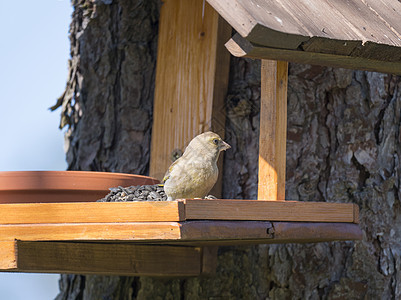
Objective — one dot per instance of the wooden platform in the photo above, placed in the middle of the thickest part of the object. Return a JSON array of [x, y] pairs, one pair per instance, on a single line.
[[158, 238]]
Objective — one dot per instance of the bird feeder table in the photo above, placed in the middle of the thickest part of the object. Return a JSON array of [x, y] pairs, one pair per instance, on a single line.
[[157, 238], [179, 238]]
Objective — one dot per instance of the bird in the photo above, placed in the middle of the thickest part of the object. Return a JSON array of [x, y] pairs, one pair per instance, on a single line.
[[194, 174]]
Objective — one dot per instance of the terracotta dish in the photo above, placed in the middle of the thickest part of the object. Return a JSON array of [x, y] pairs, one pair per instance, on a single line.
[[63, 186]]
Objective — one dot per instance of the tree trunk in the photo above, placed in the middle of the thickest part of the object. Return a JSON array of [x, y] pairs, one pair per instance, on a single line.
[[343, 145]]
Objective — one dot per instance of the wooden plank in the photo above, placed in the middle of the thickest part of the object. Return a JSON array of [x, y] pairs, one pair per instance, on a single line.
[[283, 24], [105, 213], [248, 24], [197, 230], [287, 232], [220, 86], [240, 47], [336, 47], [92, 231], [191, 79], [225, 230], [8, 256], [138, 232], [273, 130], [387, 11], [339, 20], [91, 212], [224, 233], [108, 259], [370, 25], [269, 210]]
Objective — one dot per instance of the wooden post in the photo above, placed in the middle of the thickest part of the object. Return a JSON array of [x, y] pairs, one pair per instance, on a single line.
[[191, 79], [191, 83], [273, 130]]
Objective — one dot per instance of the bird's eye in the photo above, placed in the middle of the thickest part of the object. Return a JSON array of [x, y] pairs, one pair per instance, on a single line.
[[215, 141]]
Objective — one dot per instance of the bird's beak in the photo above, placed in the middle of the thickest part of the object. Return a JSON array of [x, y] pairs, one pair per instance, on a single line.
[[224, 146]]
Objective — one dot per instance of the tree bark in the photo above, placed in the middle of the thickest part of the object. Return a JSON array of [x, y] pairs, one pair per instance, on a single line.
[[343, 145]]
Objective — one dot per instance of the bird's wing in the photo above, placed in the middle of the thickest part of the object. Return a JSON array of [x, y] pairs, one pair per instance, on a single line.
[[167, 175]]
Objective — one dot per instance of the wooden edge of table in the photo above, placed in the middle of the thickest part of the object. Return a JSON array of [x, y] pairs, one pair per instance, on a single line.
[[286, 211], [92, 231], [161, 232], [174, 211], [92, 212], [262, 232]]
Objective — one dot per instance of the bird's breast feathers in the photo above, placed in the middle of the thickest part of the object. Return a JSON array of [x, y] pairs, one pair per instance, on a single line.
[[192, 179]]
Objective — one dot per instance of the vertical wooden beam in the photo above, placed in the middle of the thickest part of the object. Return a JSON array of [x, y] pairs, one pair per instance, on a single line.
[[191, 78], [273, 130], [191, 84], [209, 260]]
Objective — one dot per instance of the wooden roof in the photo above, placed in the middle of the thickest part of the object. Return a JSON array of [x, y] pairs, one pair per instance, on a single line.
[[359, 34]]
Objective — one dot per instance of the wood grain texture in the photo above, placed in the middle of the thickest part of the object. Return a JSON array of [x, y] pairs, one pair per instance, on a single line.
[[198, 232], [387, 11], [260, 232], [273, 130], [91, 212], [92, 231], [240, 47], [108, 259], [289, 24], [269, 210], [122, 258], [209, 260], [290, 232], [191, 78], [127, 216], [225, 230], [8, 255]]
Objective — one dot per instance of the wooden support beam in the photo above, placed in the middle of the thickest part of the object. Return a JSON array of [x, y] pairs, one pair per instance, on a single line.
[[191, 80], [108, 259], [354, 34], [273, 130], [240, 47], [209, 260]]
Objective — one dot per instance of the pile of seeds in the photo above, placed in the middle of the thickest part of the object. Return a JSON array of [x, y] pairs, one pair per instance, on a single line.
[[135, 193]]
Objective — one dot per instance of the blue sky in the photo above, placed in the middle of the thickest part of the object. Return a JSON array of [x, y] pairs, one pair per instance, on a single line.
[[33, 57]]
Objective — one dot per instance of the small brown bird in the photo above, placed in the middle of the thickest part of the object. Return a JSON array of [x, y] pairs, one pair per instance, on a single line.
[[194, 174]]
